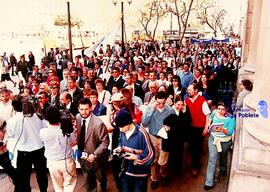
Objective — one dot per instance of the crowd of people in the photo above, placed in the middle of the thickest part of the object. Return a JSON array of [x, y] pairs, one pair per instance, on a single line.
[[131, 111]]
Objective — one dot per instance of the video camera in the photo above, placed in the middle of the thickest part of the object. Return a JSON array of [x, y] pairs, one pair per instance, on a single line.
[[66, 122], [29, 106]]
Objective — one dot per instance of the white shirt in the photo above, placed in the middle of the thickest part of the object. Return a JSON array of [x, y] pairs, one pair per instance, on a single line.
[[106, 95], [137, 100], [57, 147], [26, 131], [63, 85], [6, 110], [68, 105], [129, 133], [176, 111]]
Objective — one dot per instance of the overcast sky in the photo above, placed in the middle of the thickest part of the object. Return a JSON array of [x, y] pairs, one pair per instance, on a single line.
[[99, 15]]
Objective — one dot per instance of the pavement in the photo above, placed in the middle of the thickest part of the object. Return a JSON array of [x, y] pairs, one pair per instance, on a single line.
[[185, 182]]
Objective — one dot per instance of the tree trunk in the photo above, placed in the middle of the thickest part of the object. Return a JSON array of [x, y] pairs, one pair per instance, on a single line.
[[178, 19], [81, 35], [185, 26]]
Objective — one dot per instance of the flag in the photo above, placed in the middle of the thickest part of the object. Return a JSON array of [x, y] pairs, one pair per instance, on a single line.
[[108, 39]]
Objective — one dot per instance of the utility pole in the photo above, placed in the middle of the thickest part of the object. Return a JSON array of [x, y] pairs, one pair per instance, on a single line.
[[122, 29], [171, 23], [122, 24], [69, 33]]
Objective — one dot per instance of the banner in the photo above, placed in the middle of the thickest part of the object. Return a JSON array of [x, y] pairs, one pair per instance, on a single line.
[[208, 41]]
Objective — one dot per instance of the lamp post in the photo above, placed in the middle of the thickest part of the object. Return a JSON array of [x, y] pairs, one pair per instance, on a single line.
[[69, 33], [122, 24]]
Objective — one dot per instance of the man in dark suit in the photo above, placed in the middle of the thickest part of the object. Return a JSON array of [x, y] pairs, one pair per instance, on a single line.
[[35, 73], [138, 91], [22, 66], [74, 90], [115, 79], [98, 69], [66, 103], [165, 67], [93, 141]]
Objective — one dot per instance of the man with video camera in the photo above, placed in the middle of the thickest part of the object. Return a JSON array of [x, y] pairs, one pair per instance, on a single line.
[[58, 150], [25, 129]]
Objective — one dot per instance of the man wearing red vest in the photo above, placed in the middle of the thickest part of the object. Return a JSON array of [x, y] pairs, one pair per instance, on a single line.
[[199, 125]]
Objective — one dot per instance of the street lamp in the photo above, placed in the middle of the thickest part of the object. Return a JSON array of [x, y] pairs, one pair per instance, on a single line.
[[122, 23]]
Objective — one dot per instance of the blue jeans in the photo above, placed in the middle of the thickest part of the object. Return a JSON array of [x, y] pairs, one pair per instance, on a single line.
[[213, 157], [134, 184]]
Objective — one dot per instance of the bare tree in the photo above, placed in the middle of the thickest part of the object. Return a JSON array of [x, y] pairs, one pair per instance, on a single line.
[[181, 9], [151, 16], [214, 20], [145, 20]]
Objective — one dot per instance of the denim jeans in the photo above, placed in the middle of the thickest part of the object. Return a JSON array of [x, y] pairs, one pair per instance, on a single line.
[[134, 184], [213, 157]]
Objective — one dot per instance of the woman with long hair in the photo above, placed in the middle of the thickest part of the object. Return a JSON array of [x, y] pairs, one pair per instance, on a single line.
[[103, 95], [206, 89], [132, 108], [179, 124], [176, 88]]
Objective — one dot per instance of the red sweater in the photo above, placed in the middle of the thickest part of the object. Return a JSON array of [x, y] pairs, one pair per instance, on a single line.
[[197, 115]]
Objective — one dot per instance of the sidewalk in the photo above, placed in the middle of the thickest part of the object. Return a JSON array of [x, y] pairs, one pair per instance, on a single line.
[[183, 183]]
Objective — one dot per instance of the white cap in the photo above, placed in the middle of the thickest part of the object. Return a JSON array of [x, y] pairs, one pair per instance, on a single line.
[[117, 97]]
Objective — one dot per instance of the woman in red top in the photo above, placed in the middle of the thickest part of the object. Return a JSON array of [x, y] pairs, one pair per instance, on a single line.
[[133, 109]]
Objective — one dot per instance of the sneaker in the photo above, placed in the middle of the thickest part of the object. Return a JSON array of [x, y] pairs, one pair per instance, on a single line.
[[206, 187], [154, 185]]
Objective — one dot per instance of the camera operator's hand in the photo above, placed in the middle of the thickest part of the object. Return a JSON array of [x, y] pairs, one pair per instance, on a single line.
[[91, 158]]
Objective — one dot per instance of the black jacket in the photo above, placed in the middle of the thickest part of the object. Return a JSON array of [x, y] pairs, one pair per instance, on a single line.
[[179, 127], [120, 83]]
